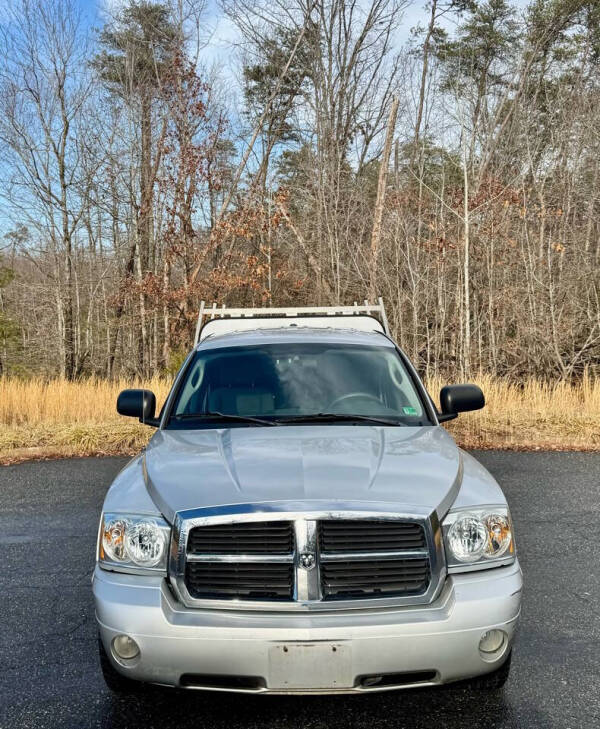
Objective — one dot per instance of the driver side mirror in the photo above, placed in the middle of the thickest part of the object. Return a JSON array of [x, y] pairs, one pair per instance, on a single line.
[[138, 404], [456, 399]]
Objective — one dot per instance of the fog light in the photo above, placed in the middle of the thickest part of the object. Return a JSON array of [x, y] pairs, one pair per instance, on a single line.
[[125, 647], [492, 641]]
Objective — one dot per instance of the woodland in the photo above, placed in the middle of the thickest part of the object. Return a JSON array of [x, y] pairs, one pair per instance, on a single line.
[[451, 168]]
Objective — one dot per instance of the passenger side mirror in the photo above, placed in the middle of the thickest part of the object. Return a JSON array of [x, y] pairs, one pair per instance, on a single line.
[[138, 404], [456, 399]]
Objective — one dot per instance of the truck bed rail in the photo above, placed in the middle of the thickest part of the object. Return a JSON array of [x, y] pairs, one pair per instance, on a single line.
[[209, 313]]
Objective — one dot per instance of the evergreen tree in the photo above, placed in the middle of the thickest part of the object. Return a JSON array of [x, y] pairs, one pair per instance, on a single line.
[[260, 79], [484, 44], [137, 51]]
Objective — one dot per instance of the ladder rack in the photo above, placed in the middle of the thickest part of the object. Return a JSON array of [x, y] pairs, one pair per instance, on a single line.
[[356, 309]]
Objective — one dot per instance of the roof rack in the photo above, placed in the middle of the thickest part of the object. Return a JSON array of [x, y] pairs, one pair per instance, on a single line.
[[222, 312]]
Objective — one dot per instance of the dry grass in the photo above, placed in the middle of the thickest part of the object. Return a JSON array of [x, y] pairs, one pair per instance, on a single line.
[[60, 402], [40, 419], [51, 418], [534, 415]]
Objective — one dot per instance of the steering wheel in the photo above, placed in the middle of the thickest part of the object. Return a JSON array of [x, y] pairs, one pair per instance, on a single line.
[[350, 396]]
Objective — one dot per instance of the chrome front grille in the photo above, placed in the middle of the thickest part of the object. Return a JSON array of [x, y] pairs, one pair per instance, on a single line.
[[315, 560]]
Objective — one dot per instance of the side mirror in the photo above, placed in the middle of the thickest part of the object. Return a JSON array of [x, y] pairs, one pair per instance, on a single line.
[[137, 404], [456, 399]]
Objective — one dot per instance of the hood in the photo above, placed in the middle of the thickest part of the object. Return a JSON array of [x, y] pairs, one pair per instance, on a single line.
[[409, 467]]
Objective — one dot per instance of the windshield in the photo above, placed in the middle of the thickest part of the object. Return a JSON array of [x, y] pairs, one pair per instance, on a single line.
[[293, 382]]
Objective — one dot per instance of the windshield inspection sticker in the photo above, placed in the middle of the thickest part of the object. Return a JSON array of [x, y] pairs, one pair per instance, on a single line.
[[409, 411]]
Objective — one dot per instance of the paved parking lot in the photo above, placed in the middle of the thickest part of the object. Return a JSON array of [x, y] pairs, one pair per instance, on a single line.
[[50, 677]]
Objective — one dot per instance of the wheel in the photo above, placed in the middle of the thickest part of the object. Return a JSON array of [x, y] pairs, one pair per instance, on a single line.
[[114, 680], [493, 681]]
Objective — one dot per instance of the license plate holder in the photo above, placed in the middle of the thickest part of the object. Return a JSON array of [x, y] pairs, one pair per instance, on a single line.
[[310, 666]]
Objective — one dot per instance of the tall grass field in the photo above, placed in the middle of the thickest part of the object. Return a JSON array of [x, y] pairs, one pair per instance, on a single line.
[[51, 418]]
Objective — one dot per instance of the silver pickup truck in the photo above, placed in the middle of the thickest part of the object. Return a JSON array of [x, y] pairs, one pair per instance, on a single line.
[[300, 522]]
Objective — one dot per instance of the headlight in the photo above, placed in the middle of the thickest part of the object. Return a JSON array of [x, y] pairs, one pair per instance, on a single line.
[[478, 538], [130, 542], [467, 538]]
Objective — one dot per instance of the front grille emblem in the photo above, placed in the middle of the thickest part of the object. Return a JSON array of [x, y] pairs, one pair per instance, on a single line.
[[307, 560]]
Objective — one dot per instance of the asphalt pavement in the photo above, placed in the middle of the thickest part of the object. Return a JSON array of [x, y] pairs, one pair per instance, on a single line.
[[49, 673]]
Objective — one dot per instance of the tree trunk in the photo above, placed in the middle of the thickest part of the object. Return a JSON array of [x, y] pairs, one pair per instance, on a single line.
[[466, 360], [379, 203], [424, 70]]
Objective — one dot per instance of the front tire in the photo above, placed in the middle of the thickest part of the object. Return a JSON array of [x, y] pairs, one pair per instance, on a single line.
[[117, 683]]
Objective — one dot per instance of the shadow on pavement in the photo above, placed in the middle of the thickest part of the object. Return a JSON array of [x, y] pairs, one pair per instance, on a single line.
[[445, 707]]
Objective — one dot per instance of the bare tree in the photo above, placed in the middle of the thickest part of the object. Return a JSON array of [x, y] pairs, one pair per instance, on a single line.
[[44, 88]]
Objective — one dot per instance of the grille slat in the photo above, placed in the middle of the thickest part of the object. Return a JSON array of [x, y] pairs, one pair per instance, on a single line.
[[243, 538], [347, 535], [354, 574], [341, 580], [248, 580]]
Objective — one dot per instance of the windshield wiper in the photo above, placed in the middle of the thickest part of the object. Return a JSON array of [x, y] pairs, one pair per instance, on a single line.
[[340, 417], [215, 415]]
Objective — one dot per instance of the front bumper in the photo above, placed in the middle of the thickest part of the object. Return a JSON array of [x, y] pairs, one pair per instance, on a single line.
[[371, 650]]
